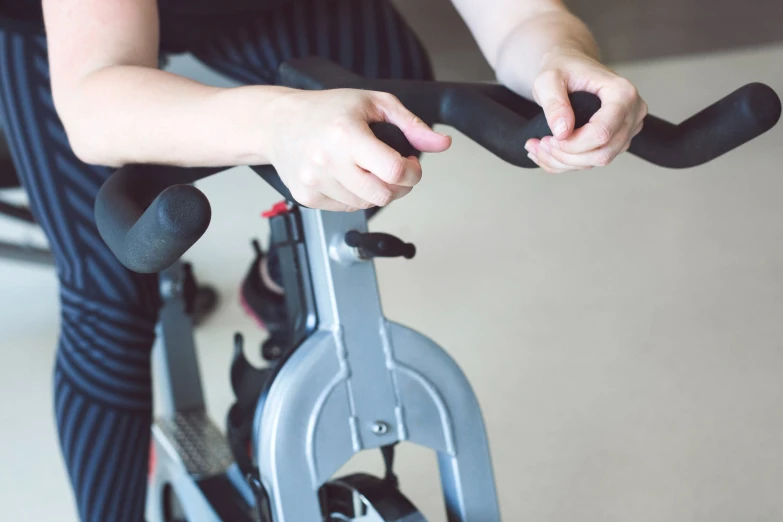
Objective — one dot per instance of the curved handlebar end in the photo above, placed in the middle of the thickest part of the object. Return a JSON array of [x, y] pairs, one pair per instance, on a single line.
[[182, 210], [152, 239], [762, 104], [174, 221], [743, 115]]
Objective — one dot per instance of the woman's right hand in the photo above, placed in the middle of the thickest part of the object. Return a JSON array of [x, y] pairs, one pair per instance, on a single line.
[[328, 157]]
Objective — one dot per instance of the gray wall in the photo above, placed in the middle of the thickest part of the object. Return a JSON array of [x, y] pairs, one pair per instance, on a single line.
[[626, 29]]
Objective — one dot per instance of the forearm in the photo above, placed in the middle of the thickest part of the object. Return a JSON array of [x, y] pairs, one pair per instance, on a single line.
[[516, 36], [525, 50], [129, 114]]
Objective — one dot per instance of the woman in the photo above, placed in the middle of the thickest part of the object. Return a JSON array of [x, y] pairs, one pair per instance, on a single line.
[[89, 96]]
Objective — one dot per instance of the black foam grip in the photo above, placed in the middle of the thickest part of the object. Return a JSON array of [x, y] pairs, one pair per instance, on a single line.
[[468, 111], [723, 126], [149, 217]]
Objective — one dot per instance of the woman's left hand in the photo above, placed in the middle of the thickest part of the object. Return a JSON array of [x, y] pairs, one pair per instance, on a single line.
[[609, 131]]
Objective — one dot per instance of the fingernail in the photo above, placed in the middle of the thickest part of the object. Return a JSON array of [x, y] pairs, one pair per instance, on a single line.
[[561, 126], [529, 147], [545, 145], [533, 158], [444, 135], [555, 144]]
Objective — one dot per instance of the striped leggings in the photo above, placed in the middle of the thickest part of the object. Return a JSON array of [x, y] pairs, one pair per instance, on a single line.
[[102, 380]]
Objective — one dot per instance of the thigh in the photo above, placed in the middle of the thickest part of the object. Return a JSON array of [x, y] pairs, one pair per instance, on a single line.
[[369, 37], [60, 187]]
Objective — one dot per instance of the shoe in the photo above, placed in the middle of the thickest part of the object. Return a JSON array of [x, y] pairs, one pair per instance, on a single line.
[[264, 305]]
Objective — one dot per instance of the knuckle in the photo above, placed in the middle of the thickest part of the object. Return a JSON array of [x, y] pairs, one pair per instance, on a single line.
[[402, 192], [602, 133], [317, 157], [308, 178], [341, 129], [369, 106], [416, 176], [383, 197], [644, 110], [386, 98], [637, 130], [603, 158], [626, 89], [305, 197], [397, 170]]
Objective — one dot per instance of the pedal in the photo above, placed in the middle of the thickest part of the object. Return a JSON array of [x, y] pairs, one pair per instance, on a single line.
[[195, 440]]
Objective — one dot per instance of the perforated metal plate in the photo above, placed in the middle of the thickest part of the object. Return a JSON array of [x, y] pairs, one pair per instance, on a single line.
[[197, 441]]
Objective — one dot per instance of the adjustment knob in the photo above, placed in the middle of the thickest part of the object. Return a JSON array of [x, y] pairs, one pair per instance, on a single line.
[[374, 244]]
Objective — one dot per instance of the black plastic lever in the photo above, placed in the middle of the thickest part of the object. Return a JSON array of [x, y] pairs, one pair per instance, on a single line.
[[377, 244]]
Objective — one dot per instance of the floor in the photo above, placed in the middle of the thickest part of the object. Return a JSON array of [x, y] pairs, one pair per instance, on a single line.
[[621, 327]]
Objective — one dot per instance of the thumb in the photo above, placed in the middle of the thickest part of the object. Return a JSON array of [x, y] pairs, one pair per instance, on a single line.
[[551, 92], [418, 133]]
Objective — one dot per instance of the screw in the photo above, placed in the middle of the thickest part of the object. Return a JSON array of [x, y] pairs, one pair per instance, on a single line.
[[380, 428]]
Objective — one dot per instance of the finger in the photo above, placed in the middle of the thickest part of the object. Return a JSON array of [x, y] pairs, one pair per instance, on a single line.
[[418, 133], [314, 199], [638, 129], [548, 163], [551, 92], [334, 190], [374, 156], [369, 187], [533, 147], [599, 157], [598, 132], [322, 190]]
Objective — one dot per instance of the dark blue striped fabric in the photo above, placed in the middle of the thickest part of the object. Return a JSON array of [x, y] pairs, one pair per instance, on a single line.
[[102, 381]]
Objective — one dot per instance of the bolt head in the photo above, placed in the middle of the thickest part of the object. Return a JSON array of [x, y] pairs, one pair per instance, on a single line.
[[380, 428]]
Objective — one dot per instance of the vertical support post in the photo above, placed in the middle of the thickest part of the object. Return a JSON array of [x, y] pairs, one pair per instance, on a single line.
[[175, 362]]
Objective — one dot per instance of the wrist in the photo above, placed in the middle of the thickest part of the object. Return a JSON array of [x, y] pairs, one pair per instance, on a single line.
[[541, 43], [567, 51], [253, 121]]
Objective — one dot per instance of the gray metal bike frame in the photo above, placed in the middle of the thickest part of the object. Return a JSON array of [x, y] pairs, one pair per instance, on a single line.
[[361, 382], [358, 382], [187, 445]]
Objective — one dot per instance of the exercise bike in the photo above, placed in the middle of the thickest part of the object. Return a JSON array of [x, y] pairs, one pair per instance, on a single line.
[[347, 379]]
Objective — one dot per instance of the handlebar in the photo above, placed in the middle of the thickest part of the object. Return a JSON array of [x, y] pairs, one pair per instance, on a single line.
[[149, 216]]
